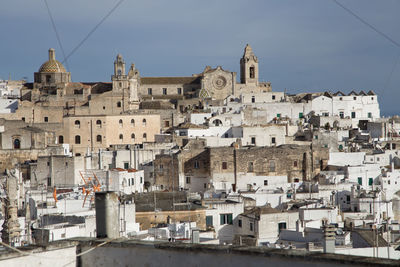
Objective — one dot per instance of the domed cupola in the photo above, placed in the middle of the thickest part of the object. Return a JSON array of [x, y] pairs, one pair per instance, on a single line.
[[52, 71]]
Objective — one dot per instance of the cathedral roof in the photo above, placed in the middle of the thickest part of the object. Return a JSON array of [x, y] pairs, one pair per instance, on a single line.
[[52, 65], [170, 80]]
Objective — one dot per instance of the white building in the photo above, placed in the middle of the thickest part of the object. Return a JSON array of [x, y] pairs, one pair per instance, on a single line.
[[221, 215], [126, 181]]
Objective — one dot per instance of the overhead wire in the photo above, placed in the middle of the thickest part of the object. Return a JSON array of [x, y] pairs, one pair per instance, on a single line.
[[57, 35], [384, 35], [93, 30]]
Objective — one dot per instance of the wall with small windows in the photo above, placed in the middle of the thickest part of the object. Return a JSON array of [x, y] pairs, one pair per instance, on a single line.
[[262, 97], [222, 216], [95, 132], [126, 181], [268, 135], [250, 181]]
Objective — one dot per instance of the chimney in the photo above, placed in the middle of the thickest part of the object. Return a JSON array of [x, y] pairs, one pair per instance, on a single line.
[[107, 217], [329, 237]]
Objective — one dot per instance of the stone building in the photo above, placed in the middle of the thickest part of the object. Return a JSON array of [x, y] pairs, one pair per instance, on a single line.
[[298, 163], [102, 131], [197, 167], [154, 208]]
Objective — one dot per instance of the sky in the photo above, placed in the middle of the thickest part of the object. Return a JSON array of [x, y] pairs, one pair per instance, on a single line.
[[302, 46]]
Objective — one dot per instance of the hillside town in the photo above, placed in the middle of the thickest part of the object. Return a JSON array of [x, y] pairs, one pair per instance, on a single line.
[[216, 158]]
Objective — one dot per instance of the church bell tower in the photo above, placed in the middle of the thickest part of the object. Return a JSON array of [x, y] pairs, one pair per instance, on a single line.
[[119, 79], [249, 67]]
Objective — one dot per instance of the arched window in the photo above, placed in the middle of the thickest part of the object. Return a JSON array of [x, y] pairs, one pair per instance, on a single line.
[[98, 123], [119, 104], [217, 122], [144, 137], [132, 122], [77, 139], [144, 122], [133, 137], [61, 139], [17, 143], [77, 124], [252, 72], [98, 138], [121, 123], [121, 137]]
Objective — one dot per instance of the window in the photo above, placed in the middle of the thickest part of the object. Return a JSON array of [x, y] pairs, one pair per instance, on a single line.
[[196, 164], [265, 182], [144, 122], [209, 221], [253, 140], [370, 181], [164, 91], [17, 143], [353, 114], [278, 115], [252, 72], [226, 218], [149, 91], [121, 137], [98, 123], [48, 78], [126, 166], [61, 139], [46, 119], [133, 137], [316, 137], [370, 115], [48, 181], [272, 165], [188, 179], [77, 139], [359, 180], [340, 98], [179, 91], [23, 118], [301, 115], [253, 99], [118, 104], [251, 226], [295, 163], [161, 167], [120, 123], [144, 137], [273, 140], [354, 98], [141, 180], [250, 166], [273, 97], [224, 165], [166, 123], [240, 223], [341, 114], [98, 138], [77, 124], [205, 185], [281, 226]]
